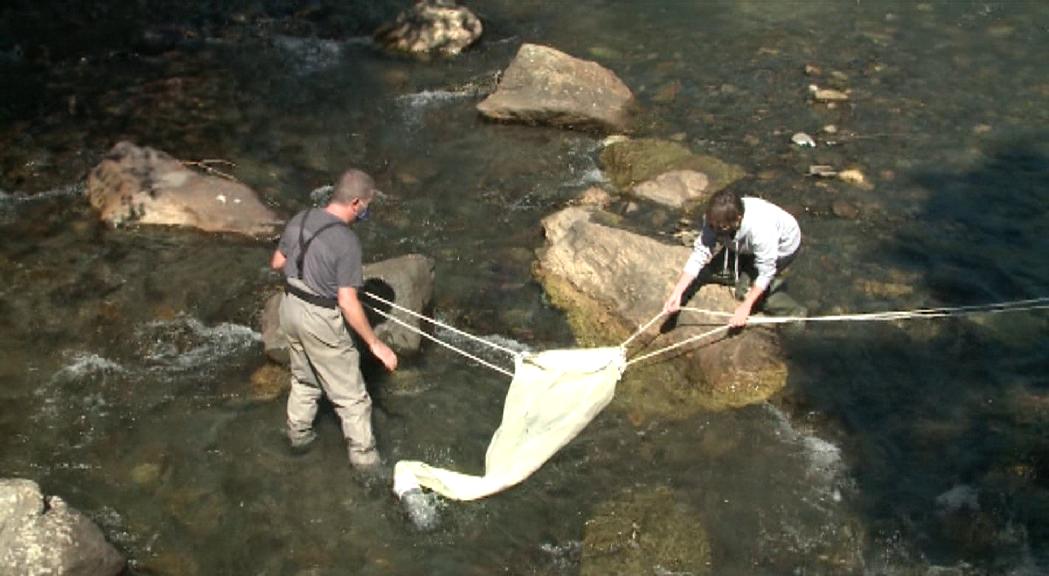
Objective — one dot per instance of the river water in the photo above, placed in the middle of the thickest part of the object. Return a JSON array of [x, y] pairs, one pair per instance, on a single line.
[[907, 448]]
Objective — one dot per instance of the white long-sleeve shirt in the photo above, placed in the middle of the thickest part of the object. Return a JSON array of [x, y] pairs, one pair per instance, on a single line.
[[767, 231]]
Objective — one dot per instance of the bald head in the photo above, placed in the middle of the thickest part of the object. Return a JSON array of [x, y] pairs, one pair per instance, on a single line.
[[353, 185]]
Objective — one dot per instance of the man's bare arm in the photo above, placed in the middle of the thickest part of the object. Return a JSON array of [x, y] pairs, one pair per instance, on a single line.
[[351, 308]]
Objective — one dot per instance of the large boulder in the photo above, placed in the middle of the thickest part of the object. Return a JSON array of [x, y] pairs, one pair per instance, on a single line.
[[545, 86], [407, 281], [45, 536], [628, 162], [611, 282], [145, 186], [431, 26]]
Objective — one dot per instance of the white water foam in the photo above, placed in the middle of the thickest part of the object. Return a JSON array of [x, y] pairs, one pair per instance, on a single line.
[[413, 106], [487, 353], [185, 343], [18, 198], [582, 165], [825, 462], [85, 364], [73, 392]]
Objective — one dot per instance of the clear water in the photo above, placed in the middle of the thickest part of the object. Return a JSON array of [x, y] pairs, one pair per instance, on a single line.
[[127, 354]]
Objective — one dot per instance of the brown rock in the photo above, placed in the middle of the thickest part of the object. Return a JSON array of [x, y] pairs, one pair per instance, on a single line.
[[675, 188], [147, 186], [269, 382], [545, 86], [594, 196], [611, 281], [430, 26]]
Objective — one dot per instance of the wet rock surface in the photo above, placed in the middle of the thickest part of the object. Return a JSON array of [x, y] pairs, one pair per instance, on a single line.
[[676, 188], [134, 185], [611, 281], [45, 536], [545, 86], [631, 162], [432, 26]]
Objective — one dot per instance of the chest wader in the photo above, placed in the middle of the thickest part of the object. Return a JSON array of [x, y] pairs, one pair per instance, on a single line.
[[324, 361]]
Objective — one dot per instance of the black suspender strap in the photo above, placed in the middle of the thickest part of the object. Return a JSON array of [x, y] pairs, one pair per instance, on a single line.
[[300, 263]]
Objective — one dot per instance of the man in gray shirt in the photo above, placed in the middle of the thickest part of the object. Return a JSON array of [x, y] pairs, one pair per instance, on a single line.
[[321, 260]]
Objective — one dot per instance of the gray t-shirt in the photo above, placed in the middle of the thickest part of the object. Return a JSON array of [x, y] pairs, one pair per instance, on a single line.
[[333, 259]]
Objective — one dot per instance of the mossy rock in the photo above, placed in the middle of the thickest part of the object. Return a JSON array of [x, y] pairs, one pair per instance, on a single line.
[[269, 382], [645, 533], [591, 323], [672, 389], [630, 162]]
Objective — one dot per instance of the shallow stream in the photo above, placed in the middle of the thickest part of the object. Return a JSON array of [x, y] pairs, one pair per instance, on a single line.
[[126, 355]]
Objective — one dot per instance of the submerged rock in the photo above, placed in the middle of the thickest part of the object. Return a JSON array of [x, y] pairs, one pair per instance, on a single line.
[[845, 209], [407, 281], [611, 281], [270, 381], [629, 162], [545, 86], [431, 26], [147, 186], [646, 533], [802, 139], [44, 535], [827, 94], [594, 196], [856, 178]]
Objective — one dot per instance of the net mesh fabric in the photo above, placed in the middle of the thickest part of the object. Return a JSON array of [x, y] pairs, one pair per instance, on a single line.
[[553, 396]]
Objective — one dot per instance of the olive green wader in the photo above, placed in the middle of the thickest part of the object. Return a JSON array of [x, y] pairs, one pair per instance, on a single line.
[[324, 360], [776, 301]]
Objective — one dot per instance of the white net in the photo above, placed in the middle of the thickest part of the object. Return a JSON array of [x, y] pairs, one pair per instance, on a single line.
[[553, 396]]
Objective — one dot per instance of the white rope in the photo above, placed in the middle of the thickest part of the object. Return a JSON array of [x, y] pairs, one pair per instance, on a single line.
[[436, 323], [1014, 306], [442, 343], [641, 330], [684, 342], [996, 308]]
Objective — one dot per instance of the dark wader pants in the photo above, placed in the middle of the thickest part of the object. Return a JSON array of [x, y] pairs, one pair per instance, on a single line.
[[776, 301]]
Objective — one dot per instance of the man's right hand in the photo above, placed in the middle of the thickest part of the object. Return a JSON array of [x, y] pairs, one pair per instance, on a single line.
[[384, 354]]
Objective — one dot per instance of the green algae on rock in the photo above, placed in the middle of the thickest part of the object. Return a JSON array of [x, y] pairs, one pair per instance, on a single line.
[[645, 533], [630, 162]]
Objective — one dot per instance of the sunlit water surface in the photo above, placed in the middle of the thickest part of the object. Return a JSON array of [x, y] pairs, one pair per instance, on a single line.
[[127, 354]]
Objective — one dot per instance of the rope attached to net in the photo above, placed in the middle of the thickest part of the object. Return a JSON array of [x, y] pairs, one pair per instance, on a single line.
[[1013, 306], [445, 326]]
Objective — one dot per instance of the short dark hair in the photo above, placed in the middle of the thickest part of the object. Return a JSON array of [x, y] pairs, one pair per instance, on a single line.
[[724, 209], [353, 184]]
